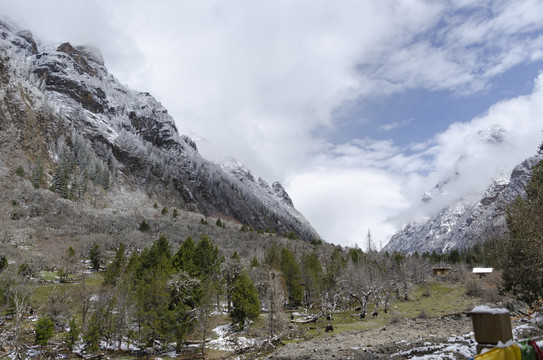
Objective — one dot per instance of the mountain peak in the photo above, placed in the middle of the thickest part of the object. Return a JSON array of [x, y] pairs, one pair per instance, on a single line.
[[463, 222], [69, 104]]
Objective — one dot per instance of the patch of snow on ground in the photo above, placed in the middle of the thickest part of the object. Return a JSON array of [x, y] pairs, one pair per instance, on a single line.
[[228, 340], [456, 345]]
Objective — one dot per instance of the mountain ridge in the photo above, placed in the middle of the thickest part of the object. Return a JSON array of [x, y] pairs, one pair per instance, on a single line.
[[60, 103], [463, 223]]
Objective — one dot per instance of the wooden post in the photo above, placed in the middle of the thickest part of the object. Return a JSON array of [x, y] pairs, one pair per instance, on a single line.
[[491, 326]]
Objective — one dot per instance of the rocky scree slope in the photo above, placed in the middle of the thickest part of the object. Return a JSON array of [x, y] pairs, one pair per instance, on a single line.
[[464, 223], [60, 106]]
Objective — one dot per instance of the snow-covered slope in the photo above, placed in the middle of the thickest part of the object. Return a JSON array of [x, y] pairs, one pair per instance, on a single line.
[[463, 223], [57, 96]]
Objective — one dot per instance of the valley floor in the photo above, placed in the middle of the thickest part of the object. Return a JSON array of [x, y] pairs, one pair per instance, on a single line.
[[447, 337]]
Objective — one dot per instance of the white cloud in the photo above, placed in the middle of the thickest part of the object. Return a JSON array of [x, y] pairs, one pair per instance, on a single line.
[[369, 184], [254, 80], [345, 203], [396, 125]]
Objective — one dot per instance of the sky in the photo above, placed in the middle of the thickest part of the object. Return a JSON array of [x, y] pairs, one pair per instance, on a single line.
[[356, 107]]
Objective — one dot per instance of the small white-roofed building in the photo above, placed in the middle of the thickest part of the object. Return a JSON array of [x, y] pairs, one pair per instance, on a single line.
[[482, 271]]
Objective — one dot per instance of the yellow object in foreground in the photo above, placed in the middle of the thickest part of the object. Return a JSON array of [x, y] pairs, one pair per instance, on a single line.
[[507, 353]]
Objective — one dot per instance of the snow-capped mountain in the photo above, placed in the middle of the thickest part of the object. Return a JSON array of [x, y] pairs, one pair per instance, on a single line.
[[464, 223], [57, 99]]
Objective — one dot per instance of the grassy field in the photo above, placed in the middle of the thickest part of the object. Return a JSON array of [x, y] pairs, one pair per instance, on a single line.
[[431, 300]]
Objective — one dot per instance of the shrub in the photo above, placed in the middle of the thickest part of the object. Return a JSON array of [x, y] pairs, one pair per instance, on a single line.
[[164, 211], [20, 171], [144, 226], [396, 319], [292, 235], [423, 314], [474, 288], [203, 221], [3, 262], [254, 262]]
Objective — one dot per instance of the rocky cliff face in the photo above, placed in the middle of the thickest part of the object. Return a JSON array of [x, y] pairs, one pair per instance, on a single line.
[[57, 100], [464, 223]]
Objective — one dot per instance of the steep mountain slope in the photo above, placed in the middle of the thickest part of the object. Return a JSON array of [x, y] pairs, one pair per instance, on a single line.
[[76, 123], [463, 223]]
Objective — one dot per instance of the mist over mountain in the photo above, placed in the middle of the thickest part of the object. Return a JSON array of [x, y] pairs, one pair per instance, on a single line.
[[63, 111], [466, 220]]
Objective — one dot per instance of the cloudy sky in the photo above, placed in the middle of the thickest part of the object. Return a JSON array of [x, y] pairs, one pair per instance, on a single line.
[[357, 107]]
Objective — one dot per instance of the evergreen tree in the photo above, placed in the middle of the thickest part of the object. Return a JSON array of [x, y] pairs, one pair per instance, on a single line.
[[144, 226], [523, 269], [92, 335], [95, 256], [312, 275], [291, 272], [37, 173], [206, 258], [116, 267], [158, 257], [73, 335], [254, 262], [184, 258], [245, 303], [44, 330], [272, 257]]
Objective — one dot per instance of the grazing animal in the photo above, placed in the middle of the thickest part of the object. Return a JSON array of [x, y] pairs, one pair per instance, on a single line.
[[375, 313], [329, 317], [291, 316], [329, 328], [362, 314]]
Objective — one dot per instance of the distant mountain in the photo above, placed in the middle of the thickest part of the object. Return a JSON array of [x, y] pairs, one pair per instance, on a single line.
[[67, 113], [465, 221]]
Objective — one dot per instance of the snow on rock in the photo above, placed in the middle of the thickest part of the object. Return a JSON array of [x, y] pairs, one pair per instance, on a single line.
[[228, 340]]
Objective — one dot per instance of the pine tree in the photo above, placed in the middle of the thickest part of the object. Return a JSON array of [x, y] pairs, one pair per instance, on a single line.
[[254, 262], [291, 272], [116, 267], [37, 173], [92, 335], [44, 330], [73, 335], [144, 226], [523, 269], [95, 256], [184, 258], [245, 303], [206, 258]]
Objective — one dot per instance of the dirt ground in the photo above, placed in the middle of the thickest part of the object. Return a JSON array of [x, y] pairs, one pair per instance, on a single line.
[[449, 337]]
